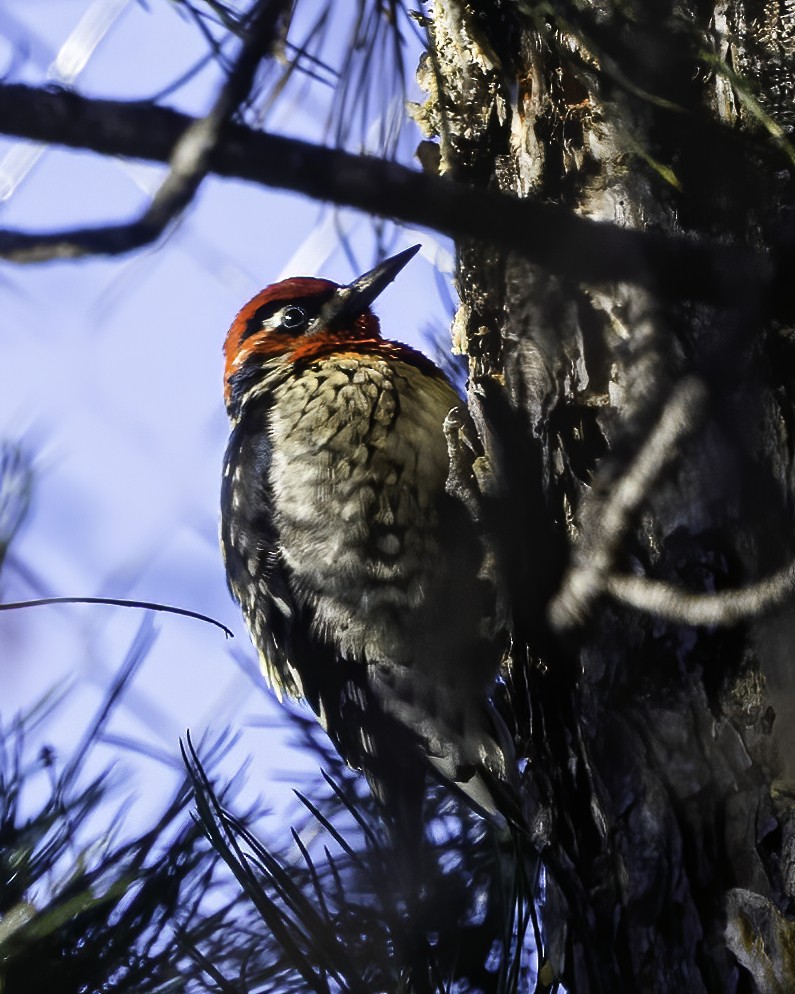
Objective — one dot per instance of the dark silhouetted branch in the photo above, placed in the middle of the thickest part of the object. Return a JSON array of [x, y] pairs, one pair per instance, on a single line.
[[119, 602], [671, 265], [189, 163]]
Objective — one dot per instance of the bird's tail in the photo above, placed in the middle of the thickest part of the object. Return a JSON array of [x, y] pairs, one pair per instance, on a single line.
[[463, 739]]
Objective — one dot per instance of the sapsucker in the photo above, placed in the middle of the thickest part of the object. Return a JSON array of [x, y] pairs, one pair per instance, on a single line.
[[356, 571]]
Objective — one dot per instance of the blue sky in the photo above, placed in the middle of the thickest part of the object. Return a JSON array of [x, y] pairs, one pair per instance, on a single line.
[[110, 374]]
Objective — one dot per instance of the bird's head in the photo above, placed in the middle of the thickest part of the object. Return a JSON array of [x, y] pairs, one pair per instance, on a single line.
[[301, 318]]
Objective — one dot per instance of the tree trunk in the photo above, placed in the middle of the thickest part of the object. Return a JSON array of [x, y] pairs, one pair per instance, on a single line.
[[637, 436]]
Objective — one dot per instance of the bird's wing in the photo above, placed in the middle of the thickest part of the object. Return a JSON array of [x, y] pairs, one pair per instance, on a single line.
[[295, 660], [255, 571]]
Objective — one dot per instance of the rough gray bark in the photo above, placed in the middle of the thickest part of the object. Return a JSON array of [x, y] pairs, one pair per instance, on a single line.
[[635, 435], [655, 750]]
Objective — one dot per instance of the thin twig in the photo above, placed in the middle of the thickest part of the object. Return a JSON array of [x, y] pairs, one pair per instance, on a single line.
[[726, 607], [608, 522], [119, 602], [189, 161]]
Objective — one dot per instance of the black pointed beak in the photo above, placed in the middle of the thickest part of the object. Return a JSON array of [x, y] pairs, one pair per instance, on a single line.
[[351, 300], [366, 288]]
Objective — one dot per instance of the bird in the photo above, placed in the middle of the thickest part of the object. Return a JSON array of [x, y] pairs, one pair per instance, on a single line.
[[356, 571]]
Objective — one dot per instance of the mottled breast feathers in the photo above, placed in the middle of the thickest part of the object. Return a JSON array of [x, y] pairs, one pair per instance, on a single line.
[[357, 573]]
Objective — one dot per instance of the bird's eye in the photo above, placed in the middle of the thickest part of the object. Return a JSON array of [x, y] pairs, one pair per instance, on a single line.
[[294, 318]]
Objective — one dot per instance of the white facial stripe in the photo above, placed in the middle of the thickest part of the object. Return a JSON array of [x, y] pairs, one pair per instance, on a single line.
[[273, 322]]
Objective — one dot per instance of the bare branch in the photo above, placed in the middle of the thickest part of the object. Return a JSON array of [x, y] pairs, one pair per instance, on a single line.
[[119, 602], [591, 576], [189, 163], [575, 247], [608, 522], [727, 607]]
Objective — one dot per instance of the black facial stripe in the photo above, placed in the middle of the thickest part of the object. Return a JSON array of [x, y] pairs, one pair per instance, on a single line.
[[311, 305], [255, 322]]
